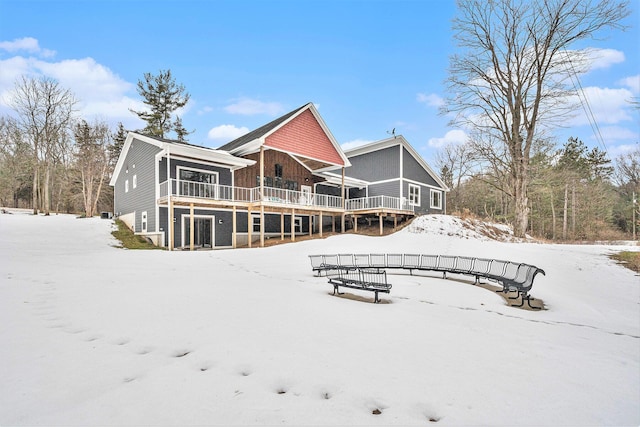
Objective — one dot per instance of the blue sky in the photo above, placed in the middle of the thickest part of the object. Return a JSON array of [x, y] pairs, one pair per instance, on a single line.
[[369, 66]]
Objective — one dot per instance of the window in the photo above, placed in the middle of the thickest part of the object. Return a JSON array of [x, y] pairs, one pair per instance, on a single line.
[[414, 195], [278, 176], [143, 221], [436, 199], [126, 186], [256, 223], [135, 181], [198, 183]]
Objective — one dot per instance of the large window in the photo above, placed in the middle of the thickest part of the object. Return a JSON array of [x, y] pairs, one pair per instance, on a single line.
[[197, 183], [436, 199], [414, 195]]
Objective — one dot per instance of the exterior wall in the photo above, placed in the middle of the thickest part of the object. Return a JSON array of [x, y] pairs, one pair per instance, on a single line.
[[376, 166], [414, 171], [303, 135], [389, 188], [140, 161], [224, 174], [292, 170]]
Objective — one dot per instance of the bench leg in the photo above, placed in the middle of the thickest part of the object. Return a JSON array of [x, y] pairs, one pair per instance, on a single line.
[[336, 290], [376, 300], [527, 298]]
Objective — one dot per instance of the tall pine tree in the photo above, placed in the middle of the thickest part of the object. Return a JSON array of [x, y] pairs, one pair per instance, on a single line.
[[163, 96]]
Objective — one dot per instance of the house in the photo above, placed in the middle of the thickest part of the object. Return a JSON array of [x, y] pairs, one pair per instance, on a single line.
[[393, 168], [285, 179]]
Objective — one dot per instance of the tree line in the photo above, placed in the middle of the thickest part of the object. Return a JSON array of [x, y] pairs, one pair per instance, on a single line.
[[53, 160]]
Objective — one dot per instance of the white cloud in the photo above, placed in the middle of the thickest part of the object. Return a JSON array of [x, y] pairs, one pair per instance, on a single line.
[[632, 82], [204, 110], [431, 100], [609, 106], [350, 145], [455, 136], [101, 93], [26, 44], [250, 107], [226, 132], [604, 58], [617, 133]]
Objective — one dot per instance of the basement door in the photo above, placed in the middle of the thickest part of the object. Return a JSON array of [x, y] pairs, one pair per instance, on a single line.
[[203, 231]]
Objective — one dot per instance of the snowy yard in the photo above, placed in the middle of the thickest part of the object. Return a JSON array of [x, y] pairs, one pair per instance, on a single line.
[[96, 335]]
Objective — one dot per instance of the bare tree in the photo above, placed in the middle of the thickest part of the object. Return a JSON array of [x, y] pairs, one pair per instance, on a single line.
[[511, 77], [92, 161], [44, 114], [456, 161]]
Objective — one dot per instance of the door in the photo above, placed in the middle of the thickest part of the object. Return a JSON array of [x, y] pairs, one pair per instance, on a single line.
[[202, 231], [305, 198]]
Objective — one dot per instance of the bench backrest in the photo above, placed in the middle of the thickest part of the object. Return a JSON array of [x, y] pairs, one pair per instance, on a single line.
[[481, 266], [394, 261], [345, 260], [411, 261], [378, 260], [316, 261], [429, 262], [464, 264], [361, 260], [511, 271], [447, 262], [331, 260], [496, 268]]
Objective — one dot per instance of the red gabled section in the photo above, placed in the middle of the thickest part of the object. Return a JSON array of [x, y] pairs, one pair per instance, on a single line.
[[303, 136]]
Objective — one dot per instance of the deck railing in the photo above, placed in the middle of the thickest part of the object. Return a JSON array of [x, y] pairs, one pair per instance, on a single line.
[[378, 202], [201, 190]]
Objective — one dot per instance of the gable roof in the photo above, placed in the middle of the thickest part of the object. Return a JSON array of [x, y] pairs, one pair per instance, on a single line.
[[391, 142], [182, 149], [326, 153]]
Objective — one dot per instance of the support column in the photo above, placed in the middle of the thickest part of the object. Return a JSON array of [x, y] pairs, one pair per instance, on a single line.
[[333, 224], [395, 221], [380, 219], [311, 225], [192, 232], [261, 225], [249, 227], [282, 225], [320, 225], [234, 229], [344, 206], [293, 225], [355, 223], [171, 226]]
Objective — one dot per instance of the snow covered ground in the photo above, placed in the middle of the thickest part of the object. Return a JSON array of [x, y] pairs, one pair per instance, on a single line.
[[95, 335]]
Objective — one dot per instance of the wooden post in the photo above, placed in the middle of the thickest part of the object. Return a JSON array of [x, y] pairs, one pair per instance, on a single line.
[[192, 232], [261, 225], [380, 218], [311, 225], [293, 225], [249, 226], [355, 223], [333, 224], [170, 220], [234, 238], [395, 221], [343, 201], [320, 226], [282, 225]]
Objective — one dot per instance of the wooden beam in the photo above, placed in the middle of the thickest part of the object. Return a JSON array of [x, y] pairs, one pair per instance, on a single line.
[[320, 226], [234, 227], [282, 225], [293, 225], [261, 225], [192, 232], [380, 219], [355, 223], [249, 226], [170, 208]]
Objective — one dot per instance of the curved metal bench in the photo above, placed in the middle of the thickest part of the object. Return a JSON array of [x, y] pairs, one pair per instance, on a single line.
[[514, 277]]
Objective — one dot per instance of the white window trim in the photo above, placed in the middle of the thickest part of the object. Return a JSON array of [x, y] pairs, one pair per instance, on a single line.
[[126, 185], [210, 172], [432, 193], [135, 180], [411, 201]]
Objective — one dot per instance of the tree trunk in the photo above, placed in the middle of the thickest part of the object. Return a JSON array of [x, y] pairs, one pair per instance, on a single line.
[[34, 191], [565, 213], [47, 199], [553, 219], [521, 204]]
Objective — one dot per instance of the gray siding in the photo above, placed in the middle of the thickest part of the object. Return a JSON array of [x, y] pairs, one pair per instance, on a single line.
[[224, 174], [425, 199], [140, 161], [414, 171], [375, 166], [391, 189]]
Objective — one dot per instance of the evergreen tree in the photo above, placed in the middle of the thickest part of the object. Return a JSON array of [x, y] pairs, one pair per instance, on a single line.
[[163, 96]]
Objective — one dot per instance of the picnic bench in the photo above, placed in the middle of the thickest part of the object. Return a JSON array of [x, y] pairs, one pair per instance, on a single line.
[[367, 279], [512, 276]]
